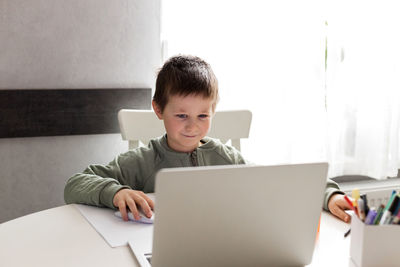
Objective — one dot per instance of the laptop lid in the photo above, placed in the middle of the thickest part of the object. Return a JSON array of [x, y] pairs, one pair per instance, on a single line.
[[238, 215]]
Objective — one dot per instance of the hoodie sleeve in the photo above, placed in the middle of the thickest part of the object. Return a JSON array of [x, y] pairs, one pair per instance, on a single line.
[[96, 185], [330, 189]]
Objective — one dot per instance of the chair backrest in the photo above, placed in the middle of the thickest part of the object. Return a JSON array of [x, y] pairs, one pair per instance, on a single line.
[[139, 126]]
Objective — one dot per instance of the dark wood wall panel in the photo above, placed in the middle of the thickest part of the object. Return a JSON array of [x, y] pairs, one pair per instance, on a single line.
[[53, 112]]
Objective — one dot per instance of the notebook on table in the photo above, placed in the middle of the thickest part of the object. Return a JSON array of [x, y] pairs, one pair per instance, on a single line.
[[237, 215]]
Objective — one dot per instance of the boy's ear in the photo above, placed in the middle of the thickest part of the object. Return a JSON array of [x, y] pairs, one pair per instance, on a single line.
[[157, 110]]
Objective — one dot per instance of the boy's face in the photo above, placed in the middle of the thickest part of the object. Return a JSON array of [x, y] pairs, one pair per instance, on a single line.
[[187, 120]]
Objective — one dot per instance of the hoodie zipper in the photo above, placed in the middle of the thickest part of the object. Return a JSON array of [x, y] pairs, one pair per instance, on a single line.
[[193, 158]]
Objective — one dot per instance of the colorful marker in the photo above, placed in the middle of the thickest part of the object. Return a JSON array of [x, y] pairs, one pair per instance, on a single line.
[[370, 216], [355, 194], [390, 212], [396, 219], [364, 198], [396, 211], [379, 214], [361, 210], [351, 204], [386, 213]]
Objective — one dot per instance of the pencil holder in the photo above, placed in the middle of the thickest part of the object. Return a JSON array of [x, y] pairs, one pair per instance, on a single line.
[[374, 245]]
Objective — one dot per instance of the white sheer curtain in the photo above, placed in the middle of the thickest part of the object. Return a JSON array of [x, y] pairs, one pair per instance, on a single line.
[[363, 89], [269, 58]]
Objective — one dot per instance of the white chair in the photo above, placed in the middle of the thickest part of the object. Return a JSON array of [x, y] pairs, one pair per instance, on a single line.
[[139, 126]]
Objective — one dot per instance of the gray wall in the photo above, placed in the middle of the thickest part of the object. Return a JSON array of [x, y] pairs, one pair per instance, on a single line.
[[68, 44]]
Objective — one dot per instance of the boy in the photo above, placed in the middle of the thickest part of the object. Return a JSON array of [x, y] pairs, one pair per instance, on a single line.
[[185, 99]]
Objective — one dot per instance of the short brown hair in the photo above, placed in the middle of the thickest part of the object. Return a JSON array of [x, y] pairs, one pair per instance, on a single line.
[[185, 75]]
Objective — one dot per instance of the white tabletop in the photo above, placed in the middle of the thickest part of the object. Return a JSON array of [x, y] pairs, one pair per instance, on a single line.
[[332, 248], [62, 237], [58, 237]]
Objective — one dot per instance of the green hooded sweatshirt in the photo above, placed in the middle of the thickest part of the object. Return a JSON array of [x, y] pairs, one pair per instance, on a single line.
[[136, 169]]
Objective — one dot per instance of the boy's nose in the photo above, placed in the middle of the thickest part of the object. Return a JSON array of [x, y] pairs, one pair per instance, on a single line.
[[190, 124]]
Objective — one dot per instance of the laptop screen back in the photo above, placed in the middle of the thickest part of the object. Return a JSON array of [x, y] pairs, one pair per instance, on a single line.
[[238, 215]]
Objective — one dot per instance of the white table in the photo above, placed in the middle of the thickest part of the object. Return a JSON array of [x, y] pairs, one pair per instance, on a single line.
[[62, 237], [57, 237], [332, 248]]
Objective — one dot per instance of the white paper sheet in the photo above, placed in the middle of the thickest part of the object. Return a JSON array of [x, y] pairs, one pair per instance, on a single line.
[[115, 231]]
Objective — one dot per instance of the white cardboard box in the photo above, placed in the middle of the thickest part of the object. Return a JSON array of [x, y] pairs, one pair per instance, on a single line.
[[374, 245]]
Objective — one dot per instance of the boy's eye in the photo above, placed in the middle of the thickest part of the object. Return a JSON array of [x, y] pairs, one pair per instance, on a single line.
[[181, 116], [203, 116]]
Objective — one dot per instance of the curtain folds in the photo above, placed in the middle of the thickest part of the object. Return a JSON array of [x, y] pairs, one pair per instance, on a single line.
[[363, 89], [269, 57]]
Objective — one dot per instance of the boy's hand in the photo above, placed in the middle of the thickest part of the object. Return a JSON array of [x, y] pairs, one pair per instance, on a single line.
[[133, 199], [337, 206]]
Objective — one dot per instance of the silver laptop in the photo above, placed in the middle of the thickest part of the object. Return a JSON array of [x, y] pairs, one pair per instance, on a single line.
[[237, 215]]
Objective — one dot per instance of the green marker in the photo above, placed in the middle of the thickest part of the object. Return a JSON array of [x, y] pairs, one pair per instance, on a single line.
[[379, 214], [386, 210]]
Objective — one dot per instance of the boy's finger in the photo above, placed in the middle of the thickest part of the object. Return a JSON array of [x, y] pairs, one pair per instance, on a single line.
[[144, 205], [132, 206], [341, 214], [122, 210], [149, 201]]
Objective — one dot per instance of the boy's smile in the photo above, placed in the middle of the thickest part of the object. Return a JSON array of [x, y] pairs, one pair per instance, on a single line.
[[187, 119]]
